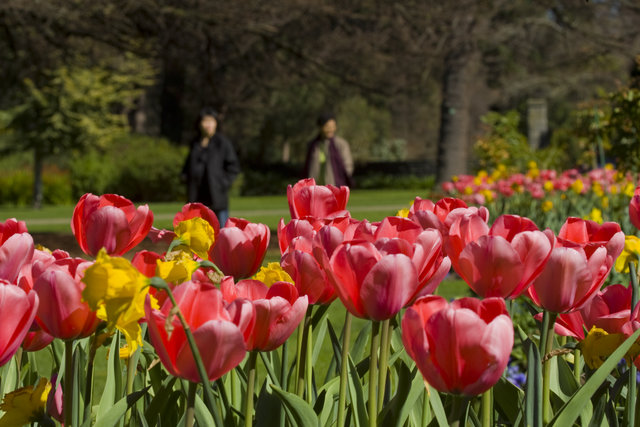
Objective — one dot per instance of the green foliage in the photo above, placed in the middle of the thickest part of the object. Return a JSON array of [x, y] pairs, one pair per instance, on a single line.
[[413, 182], [502, 143], [623, 128], [139, 167], [16, 187]]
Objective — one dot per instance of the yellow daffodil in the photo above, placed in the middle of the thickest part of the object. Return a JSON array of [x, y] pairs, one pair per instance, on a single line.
[[548, 186], [532, 165], [614, 189], [25, 405], [597, 189], [604, 201], [116, 290], [197, 234], [454, 178], [629, 188], [630, 253], [598, 345], [403, 213], [477, 180], [271, 274], [177, 267], [608, 166], [547, 205], [577, 186], [595, 215], [468, 190]]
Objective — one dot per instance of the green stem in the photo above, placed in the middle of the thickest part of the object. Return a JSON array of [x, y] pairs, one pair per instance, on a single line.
[[487, 408], [373, 374], [425, 407], [88, 388], [458, 410], [385, 342], [202, 373], [191, 405], [68, 382], [302, 354], [131, 374], [632, 391], [549, 320], [309, 365], [344, 363], [18, 357], [577, 366], [251, 381]]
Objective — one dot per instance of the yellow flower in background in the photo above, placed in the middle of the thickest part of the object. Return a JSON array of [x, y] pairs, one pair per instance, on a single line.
[[619, 177], [630, 253], [604, 201], [598, 345], [608, 166], [517, 188], [488, 195], [116, 290], [455, 178], [629, 188], [577, 186], [548, 186], [477, 180], [532, 165], [197, 234], [178, 267], [25, 405], [595, 215], [468, 190], [614, 189], [271, 274], [597, 189], [403, 213], [482, 174], [547, 205]]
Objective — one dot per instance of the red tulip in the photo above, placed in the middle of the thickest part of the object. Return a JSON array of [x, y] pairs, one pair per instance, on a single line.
[[61, 312], [220, 342], [430, 215], [39, 263], [15, 253], [371, 283], [570, 278], [461, 347], [466, 228], [279, 310], [36, 339], [634, 208], [109, 221], [591, 235], [17, 311], [319, 201], [240, 248], [11, 227], [505, 262]]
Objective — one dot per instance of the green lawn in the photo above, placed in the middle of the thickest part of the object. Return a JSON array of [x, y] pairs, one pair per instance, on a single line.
[[371, 204]]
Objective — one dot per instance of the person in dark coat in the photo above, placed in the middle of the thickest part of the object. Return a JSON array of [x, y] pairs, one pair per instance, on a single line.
[[211, 167]]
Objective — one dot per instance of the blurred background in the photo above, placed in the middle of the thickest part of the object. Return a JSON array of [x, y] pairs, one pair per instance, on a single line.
[[103, 96]]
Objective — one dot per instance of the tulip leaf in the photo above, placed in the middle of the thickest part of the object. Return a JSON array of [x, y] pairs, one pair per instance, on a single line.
[[573, 408], [598, 414], [409, 389], [269, 367], [361, 341], [113, 384], [436, 405], [359, 409], [203, 416], [117, 411], [508, 400], [335, 344], [327, 396], [533, 400], [160, 400], [269, 410], [318, 340], [302, 414]]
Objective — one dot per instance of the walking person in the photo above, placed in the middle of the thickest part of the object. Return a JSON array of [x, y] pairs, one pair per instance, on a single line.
[[211, 166]]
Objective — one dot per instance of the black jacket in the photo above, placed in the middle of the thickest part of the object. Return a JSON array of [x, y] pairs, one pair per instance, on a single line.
[[219, 161]]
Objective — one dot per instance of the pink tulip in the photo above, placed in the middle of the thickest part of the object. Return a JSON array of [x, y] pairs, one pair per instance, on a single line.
[[319, 201], [36, 339], [505, 262], [466, 228], [15, 253], [220, 342], [240, 248], [591, 235], [61, 312], [430, 215], [17, 311], [372, 283], [634, 208], [461, 347], [279, 310], [111, 222], [11, 227]]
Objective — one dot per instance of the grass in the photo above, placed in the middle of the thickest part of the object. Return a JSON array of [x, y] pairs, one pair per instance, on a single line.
[[371, 204]]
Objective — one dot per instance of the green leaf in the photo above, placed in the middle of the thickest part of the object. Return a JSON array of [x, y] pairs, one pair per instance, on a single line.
[[572, 409], [326, 401], [117, 411], [268, 408], [409, 390], [113, 385], [508, 400], [359, 408], [160, 400], [436, 405], [361, 341], [203, 416], [302, 414], [533, 400], [317, 342]]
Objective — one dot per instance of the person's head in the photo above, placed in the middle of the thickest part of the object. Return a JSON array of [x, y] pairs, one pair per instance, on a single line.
[[208, 121], [327, 125]]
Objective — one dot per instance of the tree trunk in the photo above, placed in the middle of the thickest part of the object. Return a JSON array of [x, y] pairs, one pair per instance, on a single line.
[[460, 70], [37, 178]]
